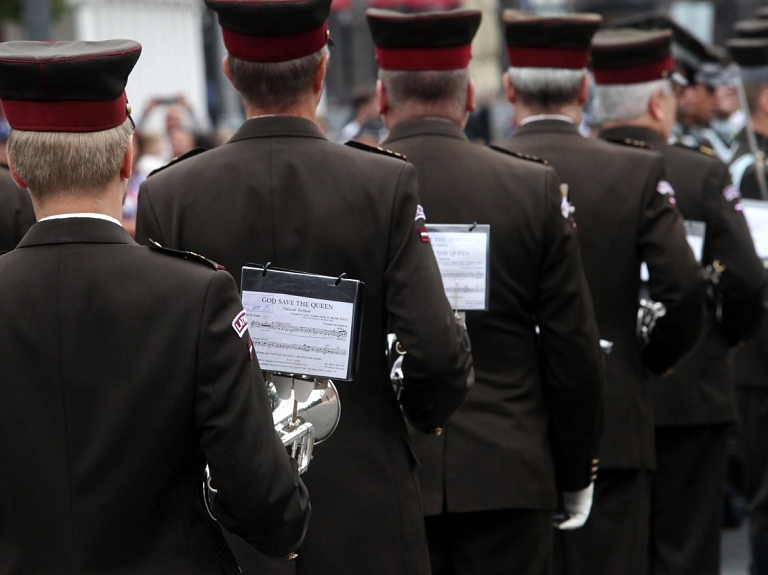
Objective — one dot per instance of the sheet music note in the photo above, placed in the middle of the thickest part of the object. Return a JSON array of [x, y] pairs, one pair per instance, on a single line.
[[295, 334], [461, 252]]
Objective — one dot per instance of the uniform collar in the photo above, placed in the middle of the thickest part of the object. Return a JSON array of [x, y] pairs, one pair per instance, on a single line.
[[283, 126], [425, 127], [548, 125], [75, 230]]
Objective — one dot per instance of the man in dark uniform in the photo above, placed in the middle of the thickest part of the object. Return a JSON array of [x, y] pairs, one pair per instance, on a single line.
[[750, 53], [625, 217], [113, 401], [694, 408], [750, 364], [16, 213], [530, 428], [280, 192]]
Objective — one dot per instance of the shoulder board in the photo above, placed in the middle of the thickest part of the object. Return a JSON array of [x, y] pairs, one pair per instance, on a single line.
[[630, 142], [191, 256], [375, 150], [178, 159], [528, 157], [701, 149]]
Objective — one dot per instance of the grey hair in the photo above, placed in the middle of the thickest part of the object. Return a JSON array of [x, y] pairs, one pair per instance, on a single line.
[[275, 85], [68, 163], [428, 88], [618, 102], [546, 88]]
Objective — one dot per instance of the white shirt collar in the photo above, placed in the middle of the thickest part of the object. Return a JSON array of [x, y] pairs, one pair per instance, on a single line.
[[538, 117], [83, 215]]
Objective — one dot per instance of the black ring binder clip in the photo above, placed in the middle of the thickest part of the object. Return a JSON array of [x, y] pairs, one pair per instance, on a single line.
[[472, 227], [266, 267], [338, 279]]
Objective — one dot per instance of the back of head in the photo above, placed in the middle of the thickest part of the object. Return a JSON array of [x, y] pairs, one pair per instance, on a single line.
[[274, 48], [68, 112], [423, 60], [548, 56], [629, 67]]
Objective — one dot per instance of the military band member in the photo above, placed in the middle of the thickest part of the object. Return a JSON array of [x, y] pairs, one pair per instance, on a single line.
[[530, 427], [280, 192], [124, 369], [625, 216], [16, 213], [694, 408], [750, 364], [751, 55]]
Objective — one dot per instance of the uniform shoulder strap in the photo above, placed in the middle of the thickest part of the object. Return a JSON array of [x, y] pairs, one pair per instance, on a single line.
[[178, 159], [629, 142], [520, 155], [374, 149], [190, 256]]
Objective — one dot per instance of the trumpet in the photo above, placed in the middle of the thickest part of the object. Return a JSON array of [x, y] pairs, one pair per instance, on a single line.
[[305, 412]]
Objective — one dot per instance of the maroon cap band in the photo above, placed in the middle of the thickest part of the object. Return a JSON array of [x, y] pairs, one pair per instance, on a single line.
[[418, 59], [275, 48], [80, 116], [529, 57], [635, 74]]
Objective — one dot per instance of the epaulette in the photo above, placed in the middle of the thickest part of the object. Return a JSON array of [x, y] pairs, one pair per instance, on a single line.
[[706, 150], [528, 157], [191, 256], [178, 159], [374, 149], [630, 142]]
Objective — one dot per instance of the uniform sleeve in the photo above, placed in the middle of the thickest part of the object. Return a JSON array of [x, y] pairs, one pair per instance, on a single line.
[[572, 365], [147, 226], [260, 496], [739, 290], [676, 279], [437, 367]]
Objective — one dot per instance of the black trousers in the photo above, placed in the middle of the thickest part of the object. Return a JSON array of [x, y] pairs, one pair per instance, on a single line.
[[686, 499], [752, 406], [614, 541], [497, 542]]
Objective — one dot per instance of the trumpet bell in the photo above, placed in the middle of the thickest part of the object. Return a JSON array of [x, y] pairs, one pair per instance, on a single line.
[[317, 404]]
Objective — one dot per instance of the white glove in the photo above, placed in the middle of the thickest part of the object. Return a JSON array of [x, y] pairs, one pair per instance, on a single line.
[[397, 369], [577, 506]]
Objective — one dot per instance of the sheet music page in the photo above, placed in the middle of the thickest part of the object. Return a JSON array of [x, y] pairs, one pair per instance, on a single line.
[[756, 212], [463, 261], [295, 334], [694, 233]]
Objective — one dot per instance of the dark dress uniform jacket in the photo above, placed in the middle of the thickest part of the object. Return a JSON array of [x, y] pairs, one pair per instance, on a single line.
[[536, 409], [16, 213], [700, 389], [280, 192], [121, 376], [623, 221]]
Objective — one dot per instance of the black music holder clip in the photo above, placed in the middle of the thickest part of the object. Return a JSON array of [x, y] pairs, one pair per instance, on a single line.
[[338, 279], [472, 227]]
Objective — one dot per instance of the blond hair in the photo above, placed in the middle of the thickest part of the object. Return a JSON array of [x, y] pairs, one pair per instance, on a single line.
[[68, 163]]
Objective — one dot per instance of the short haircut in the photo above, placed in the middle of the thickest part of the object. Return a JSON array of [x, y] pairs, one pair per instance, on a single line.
[[619, 102], [275, 85], [428, 88], [546, 88], [68, 163]]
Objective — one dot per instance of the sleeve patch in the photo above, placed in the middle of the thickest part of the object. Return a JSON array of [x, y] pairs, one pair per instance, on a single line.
[[423, 234], [420, 215], [731, 193], [240, 324], [665, 188]]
